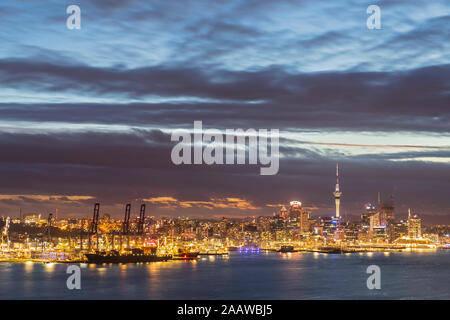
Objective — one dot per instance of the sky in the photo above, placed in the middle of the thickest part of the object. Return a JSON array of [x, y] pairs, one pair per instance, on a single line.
[[86, 115]]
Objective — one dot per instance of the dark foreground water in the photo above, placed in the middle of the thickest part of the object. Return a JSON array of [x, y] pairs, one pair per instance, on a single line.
[[418, 275]]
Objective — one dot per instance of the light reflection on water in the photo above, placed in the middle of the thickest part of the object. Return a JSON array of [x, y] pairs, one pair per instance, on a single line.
[[29, 266], [264, 275]]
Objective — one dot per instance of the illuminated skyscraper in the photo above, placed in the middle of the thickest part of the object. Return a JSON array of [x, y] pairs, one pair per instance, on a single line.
[[283, 212], [365, 217], [337, 193], [414, 226], [299, 216]]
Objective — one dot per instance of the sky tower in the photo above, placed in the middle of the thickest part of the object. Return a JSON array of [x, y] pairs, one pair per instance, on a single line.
[[337, 193]]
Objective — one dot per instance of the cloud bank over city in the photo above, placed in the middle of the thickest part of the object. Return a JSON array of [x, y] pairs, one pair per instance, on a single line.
[[86, 115]]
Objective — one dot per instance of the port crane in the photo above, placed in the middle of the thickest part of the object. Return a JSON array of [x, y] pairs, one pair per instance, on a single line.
[[49, 226], [125, 229], [93, 227], [126, 225], [141, 221], [126, 220]]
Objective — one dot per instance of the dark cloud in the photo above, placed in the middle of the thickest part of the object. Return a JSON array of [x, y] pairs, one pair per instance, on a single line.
[[117, 168], [148, 68], [410, 100]]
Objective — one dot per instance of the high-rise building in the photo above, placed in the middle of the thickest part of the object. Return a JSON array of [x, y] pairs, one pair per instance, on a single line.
[[379, 233], [337, 193], [365, 217], [387, 212], [298, 216], [32, 218], [400, 229], [295, 209], [277, 222], [375, 221], [388, 218], [414, 226], [329, 225], [283, 212], [304, 224]]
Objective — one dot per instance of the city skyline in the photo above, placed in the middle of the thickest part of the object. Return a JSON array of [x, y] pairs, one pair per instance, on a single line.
[[390, 201], [86, 115]]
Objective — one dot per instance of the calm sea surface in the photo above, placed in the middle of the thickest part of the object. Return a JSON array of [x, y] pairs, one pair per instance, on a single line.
[[418, 275]]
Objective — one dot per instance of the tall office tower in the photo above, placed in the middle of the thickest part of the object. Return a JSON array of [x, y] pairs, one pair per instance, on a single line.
[[295, 208], [375, 221], [304, 221], [298, 216], [337, 193], [283, 212], [365, 217], [400, 229], [388, 217], [387, 211], [414, 226]]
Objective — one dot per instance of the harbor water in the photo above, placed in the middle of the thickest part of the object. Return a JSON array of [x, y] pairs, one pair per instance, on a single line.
[[241, 275]]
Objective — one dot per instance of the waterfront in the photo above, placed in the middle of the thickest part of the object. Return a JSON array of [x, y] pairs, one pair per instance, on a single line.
[[264, 275]]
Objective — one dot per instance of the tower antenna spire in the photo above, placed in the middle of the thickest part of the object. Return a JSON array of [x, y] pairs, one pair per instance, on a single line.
[[337, 177], [337, 193]]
